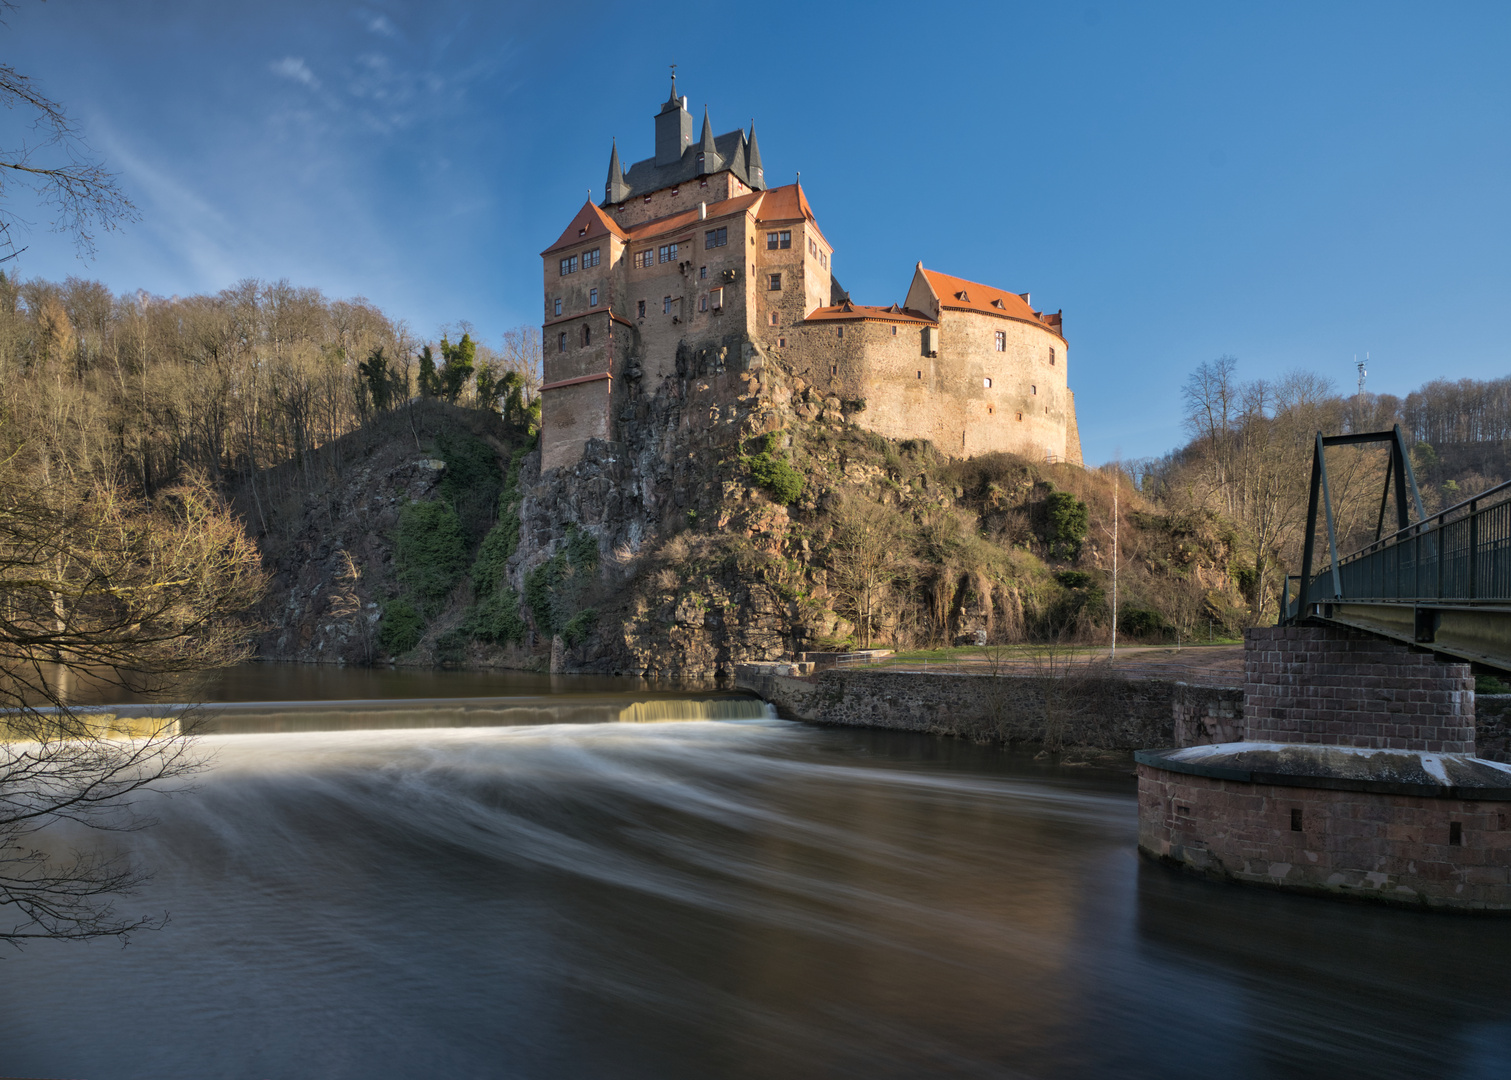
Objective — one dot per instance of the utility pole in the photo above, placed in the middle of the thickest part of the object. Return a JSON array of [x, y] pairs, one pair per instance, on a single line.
[[1117, 479]]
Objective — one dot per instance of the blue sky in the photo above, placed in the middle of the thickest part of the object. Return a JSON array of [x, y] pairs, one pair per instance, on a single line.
[[1292, 184]]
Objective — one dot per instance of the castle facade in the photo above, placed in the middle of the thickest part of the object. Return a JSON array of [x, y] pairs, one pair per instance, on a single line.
[[694, 266]]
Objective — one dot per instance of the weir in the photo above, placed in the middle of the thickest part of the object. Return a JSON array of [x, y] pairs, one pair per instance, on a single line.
[[240, 718]]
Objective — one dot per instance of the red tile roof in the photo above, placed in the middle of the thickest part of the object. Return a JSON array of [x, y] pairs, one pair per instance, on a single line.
[[962, 295], [851, 312], [589, 224]]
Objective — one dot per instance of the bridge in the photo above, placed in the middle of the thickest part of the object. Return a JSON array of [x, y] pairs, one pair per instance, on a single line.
[[1441, 583]]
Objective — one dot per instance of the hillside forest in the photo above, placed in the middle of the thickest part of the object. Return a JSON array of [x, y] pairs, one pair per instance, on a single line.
[[278, 413]]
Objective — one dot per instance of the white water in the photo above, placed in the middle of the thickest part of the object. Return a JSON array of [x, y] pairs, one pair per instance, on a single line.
[[699, 899]]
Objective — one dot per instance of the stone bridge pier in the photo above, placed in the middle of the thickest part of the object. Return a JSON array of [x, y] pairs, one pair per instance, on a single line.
[[1355, 776]]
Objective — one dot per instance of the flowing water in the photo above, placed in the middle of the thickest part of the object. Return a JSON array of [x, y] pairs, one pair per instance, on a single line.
[[735, 897]]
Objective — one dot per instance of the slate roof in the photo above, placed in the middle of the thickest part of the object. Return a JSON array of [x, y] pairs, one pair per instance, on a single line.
[[646, 176]]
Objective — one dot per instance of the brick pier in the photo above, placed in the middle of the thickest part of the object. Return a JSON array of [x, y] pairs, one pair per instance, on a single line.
[[1355, 775]]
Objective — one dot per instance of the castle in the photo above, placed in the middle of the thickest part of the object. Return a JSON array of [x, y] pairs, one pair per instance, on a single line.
[[693, 263]]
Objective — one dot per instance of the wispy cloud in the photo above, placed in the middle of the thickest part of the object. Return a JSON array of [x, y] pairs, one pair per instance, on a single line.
[[379, 24], [295, 69]]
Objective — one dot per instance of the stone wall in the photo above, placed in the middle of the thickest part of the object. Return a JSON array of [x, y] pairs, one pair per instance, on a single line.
[[1395, 848], [1203, 716], [1105, 712], [1492, 727], [1338, 687]]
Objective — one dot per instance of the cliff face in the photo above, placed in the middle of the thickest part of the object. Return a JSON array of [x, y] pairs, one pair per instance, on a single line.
[[672, 510], [713, 534]]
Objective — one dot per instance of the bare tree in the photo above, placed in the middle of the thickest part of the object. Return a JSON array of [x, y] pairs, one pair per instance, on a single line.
[[98, 588], [58, 166], [864, 559]]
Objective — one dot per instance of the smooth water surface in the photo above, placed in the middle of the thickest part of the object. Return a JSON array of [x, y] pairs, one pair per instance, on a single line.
[[721, 899]]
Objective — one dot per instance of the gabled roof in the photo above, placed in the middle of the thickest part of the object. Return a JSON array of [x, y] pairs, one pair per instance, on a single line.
[[589, 224], [958, 294], [787, 203], [849, 312], [963, 295]]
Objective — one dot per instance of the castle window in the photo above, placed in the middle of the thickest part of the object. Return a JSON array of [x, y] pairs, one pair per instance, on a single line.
[[703, 182], [666, 253], [666, 305], [920, 374], [647, 198], [587, 335], [812, 247], [716, 238], [774, 282], [833, 369], [703, 302], [1020, 416], [775, 319], [1033, 389], [702, 272], [642, 309], [1051, 357], [590, 258], [1002, 341], [823, 259], [674, 190], [990, 411], [781, 342], [781, 239], [716, 297], [569, 265], [557, 305], [561, 341], [644, 258], [987, 383], [592, 298], [841, 333]]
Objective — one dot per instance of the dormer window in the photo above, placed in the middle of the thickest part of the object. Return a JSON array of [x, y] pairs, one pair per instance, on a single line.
[[647, 198], [675, 190], [999, 305], [582, 231], [963, 295], [703, 182]]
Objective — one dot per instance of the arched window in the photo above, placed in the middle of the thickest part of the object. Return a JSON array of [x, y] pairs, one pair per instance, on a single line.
[[561, 341], [587, 334]]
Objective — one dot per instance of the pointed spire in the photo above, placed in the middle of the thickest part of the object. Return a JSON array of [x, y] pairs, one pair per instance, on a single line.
[[673, 99], [614, 189], [708, 154], [753, 161]]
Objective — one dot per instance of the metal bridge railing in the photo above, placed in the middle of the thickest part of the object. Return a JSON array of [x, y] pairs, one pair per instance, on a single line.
[[1461, 555]]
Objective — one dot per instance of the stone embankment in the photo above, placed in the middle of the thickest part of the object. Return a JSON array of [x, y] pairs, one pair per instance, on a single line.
[[1087, 708]]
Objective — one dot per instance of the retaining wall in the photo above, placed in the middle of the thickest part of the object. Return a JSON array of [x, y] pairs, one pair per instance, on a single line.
[[1104, 712]]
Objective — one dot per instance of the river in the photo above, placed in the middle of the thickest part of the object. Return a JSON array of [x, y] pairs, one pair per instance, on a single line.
[[577, 896]]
